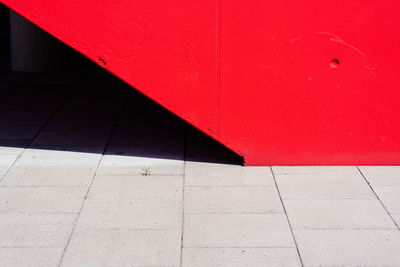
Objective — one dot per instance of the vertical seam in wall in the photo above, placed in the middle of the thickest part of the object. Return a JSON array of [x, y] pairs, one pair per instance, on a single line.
[[380, 201], [218, 59], [287, 217]]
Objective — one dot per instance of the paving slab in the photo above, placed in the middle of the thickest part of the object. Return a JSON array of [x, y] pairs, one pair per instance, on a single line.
[[43, 157], [122, 187], [131, 214], [35, 230], [134, 202], [3, 170], [6, 161], [143, 141], [7, 147], [396, 218], [233, 257], [390, 197], [71, 139], [30, 257], [49, 176], [212, 174], [382, 175], [337, 214], [77, 124], [71, 148], [20, 114], [209, 199], [349, 247], [236, 230], [18, 131], [41, 199], [321, 182], [123, 248], [133, 165], [316, 170]]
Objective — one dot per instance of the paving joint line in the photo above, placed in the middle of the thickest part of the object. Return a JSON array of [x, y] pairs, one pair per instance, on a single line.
[[234, 213], [43, 186], [287, 217], [376, 195], [122, 108], [183, 190], [130, 229], [68, 95], [31, 247], [38, 212], [136, 175], [231, 186], [255, 247], [345, 229], [329, 198]]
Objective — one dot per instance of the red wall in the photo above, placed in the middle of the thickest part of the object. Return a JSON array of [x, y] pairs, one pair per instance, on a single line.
[[278, 82]]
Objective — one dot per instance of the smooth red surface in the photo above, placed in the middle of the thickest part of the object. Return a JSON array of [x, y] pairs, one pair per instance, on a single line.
[[278, 82]]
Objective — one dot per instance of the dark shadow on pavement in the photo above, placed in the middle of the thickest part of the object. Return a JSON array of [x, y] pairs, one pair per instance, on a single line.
[[93, 111]]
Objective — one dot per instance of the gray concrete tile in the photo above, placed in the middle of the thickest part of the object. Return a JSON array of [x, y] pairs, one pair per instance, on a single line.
[[211, 174], [3, 170], [349, 247], [156, 146], [236, 230], [396, 217], [337, 214], [35, 230], [69, 123], [30, 257], [41, 199], [26, 116], [321, 182], [390, 197], [123, 248], [134, 202], [43, 157], [71, 138], [240, 257], [132, 165], [382, 175], [6, 161], [122, 187], [211, 199], [13, 145], [72, 148], [316, 170], [8, 148], [49, 176], [131, 214], [18, 131]]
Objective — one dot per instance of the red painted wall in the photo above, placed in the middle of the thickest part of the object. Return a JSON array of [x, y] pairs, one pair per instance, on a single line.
[[278, 82]]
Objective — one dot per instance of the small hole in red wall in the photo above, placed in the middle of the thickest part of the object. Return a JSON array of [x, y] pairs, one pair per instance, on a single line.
[[334, 63]]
